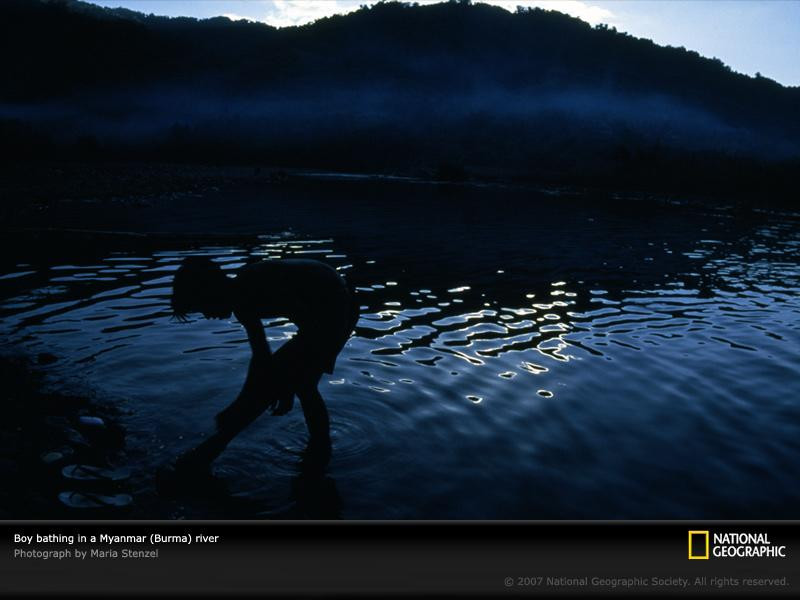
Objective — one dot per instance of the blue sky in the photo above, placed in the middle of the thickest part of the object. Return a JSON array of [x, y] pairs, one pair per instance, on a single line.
[[748, 35]]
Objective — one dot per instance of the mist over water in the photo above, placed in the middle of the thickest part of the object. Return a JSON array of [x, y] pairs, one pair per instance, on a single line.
[[260, 121], [519, 355]]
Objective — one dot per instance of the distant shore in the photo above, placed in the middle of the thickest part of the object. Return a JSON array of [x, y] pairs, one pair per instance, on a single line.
[[28, 191], [82, 209]]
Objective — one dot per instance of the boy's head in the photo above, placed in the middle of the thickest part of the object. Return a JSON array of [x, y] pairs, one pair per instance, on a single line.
[[200, 286]]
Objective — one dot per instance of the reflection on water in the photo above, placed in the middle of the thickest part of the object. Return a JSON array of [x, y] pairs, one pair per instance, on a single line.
[[634, 373]]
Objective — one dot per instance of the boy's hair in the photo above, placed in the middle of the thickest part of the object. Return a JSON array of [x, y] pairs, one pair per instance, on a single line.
[[197, 282]]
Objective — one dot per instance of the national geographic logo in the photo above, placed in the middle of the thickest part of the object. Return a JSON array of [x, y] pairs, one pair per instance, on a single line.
[[703, 545], [698, 545]]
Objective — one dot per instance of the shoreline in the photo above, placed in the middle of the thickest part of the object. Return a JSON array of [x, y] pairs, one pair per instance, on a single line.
[[45, 432], [42, 184]]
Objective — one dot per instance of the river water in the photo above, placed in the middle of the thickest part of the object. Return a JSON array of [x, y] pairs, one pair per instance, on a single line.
[[519, 355]]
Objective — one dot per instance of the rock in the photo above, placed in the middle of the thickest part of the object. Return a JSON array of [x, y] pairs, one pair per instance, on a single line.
[[89, 421], [57, 455], [92, 500], [74, 437], [51, 458]]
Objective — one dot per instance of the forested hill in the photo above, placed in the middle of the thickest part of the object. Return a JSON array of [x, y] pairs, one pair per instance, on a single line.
[[394, 87]]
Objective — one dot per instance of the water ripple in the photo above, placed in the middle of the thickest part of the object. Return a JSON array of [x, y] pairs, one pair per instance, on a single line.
[[548, 383]]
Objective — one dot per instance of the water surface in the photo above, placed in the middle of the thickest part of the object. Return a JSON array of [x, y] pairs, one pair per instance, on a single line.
[[519, 356]]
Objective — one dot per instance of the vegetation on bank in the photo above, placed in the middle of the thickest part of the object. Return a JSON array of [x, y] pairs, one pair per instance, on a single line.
[[454, 91]]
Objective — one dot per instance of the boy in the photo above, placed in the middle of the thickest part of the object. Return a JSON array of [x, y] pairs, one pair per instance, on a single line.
[[310, 294]]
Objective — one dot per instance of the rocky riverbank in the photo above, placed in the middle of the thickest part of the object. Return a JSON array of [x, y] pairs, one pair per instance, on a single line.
[[57, 451]]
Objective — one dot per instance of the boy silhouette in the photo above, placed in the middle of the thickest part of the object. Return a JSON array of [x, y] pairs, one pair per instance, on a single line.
[[309, 293]]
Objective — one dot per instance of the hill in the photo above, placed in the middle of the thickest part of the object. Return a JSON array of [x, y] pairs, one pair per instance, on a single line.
[[454, 89]]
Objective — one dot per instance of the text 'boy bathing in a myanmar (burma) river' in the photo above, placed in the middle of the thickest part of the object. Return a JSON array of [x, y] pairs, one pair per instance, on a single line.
[[309, 293]]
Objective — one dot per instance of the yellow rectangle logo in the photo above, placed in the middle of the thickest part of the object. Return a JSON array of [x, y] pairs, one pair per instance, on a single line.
[[697, 534]]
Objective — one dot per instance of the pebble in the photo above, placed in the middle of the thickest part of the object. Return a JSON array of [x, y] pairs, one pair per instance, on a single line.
[[92, 421], [75, 437], [50, 458], [56, 455]]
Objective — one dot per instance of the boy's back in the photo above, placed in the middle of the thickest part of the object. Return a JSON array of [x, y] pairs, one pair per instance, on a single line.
[[307, 292]]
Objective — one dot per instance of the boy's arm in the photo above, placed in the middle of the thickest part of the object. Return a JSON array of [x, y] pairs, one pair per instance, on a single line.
[[253, 396], [257, 338]]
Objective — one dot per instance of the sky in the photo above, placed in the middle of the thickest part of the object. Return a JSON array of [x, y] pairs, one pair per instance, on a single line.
[[750, 36]]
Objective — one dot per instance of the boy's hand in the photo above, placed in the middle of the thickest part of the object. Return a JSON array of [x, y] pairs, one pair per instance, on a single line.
[[285, 403]]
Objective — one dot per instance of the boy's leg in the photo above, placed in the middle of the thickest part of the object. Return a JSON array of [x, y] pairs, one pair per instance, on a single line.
[[315, 411]]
